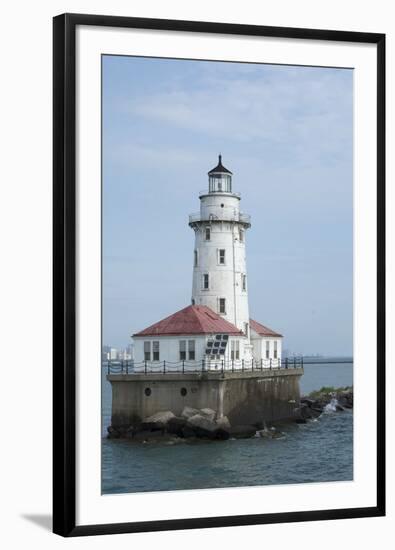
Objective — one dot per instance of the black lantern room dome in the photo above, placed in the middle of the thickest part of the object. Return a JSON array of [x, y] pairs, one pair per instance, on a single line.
[[220, 168]]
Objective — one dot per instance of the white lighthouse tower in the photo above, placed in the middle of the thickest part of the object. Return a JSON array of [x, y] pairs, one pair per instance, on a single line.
[[219, 270]]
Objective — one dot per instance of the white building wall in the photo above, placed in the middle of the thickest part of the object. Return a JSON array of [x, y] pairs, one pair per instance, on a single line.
[[259, 348], [169, 351]]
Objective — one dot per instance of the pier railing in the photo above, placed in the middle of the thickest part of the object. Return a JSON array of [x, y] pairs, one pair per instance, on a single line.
[[205, 365]]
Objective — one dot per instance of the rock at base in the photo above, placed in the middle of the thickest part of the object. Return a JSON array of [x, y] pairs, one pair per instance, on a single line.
[[157, 421], [175, 426], [208, 413], [202, 426], [223, 423], [187, 412]]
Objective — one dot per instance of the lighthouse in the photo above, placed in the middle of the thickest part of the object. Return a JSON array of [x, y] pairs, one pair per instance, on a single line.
[[216, 328], [210, 356], [219, 259]]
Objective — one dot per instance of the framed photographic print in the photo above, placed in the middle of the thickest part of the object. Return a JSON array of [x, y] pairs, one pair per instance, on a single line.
[[218, 274]]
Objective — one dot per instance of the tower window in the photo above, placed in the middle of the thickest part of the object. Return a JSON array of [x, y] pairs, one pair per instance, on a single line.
[[243, 281], [222, 305], [275, 355], [147, 351], [183, 350], [191, 350], [207, 234], [155, 350], [195, 258], [221, 256], [267, 349], [241, 235], [205, 281]]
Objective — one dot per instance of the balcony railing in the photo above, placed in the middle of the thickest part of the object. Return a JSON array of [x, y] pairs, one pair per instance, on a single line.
[[205, 365], [226, 216], [207, 192]]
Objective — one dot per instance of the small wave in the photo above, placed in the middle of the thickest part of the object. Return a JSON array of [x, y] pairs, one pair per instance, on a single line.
[[331, 407]]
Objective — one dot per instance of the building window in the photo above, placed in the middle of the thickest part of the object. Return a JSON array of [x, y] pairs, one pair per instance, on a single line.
[[244, 281], [155, 350], [183, 350], [207, 233], [235, 349], [221, 256], [246, 329], [267, 349], [195, 258], [205, 281], [241, 235], [147, 351], [275, 349], [191, 350], [222, 305]]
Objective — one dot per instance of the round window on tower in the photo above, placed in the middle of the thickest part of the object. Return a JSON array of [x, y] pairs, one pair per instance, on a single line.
[[183, 392], [147, 392], [222, 205]]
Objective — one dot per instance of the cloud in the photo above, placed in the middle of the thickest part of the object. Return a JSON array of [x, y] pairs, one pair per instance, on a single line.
[[276, 106]]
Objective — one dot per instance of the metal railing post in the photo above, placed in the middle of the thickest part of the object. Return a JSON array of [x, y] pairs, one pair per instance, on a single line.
[[294, 362], [242, 365], [302, 362], [261, 363], [183, 366], [286, 362], [164, 367], [145, 366], [252, 364], [127, 366], [222, 366], [270, 363], [202, 365]]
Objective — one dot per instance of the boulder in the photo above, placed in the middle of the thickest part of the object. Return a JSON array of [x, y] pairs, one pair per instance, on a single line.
[[187, 431], [157, 421], [305, 411], [208, 413], [202, 425], [308, 401], [189, 411], [242, 431], [221, 434], [223, 423], [175, 425]]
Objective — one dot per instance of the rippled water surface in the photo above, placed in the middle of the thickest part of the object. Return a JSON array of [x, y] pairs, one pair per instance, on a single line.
[[321, 450]]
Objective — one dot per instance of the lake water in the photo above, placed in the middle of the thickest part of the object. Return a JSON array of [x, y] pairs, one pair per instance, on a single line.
[[321, 450]]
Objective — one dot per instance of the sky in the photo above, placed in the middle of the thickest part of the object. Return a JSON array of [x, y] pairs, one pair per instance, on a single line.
[[286, 133]]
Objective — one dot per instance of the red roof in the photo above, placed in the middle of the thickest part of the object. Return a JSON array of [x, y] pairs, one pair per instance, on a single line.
[[191, 320], [262, 330]]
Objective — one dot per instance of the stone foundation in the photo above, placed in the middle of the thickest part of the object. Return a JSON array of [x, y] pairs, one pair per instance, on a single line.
[[244, 397]]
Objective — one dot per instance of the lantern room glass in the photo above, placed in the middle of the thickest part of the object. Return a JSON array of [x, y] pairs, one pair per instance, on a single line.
[[220, 183]]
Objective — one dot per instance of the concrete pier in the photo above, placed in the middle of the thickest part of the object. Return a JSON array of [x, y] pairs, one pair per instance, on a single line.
[[244, 397]]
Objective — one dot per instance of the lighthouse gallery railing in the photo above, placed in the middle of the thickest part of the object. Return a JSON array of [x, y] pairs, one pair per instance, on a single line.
[[205, 365]]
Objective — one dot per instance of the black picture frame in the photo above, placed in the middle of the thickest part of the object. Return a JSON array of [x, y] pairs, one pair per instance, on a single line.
[[64, 273]]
